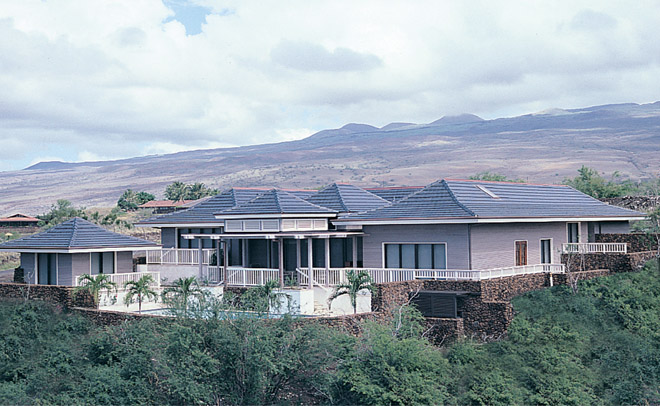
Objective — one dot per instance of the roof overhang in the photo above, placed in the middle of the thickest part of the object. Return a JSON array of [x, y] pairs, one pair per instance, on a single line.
[[200, 225], [79, 250], [273, 216], [480, 220], [274, 236]]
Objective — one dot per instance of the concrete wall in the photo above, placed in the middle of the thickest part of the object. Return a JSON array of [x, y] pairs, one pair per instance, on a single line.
[[170, 273], [454, 235], [168, 237], [493, 245]]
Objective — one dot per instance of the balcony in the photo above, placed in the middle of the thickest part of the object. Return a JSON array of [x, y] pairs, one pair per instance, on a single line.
[[594, 248]]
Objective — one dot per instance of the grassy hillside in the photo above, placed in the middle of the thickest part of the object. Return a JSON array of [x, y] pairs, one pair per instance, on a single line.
[[600, 346]]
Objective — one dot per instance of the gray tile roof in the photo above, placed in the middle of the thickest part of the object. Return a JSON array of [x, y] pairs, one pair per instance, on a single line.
[[394, 193], [530, 200], [204, 212], [276, 201], [346, 198], [471, 199], [76, 234]]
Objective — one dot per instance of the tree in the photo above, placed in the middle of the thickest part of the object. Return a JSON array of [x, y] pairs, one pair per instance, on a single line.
[[263, 298], [590, 182], [140, 289], [181, 291], [94, 285], [651, 226], [60, 212], [130, 200], [180, 191], [356, 281], [493, 177]]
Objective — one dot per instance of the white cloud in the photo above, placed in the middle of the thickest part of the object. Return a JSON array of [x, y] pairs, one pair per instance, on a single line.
[[116, 78]]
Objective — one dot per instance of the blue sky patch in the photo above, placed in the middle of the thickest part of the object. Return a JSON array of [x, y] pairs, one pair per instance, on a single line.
[[191, 15]]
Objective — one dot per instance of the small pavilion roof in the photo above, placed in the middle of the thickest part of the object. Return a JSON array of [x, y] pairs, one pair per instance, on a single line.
[[274, 202], [77, 235], [346, 198]]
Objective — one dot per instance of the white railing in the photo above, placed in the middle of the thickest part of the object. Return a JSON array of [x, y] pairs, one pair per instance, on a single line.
[[179, 256], [382, 275], [121, 278], [239, 276], [595, 248]]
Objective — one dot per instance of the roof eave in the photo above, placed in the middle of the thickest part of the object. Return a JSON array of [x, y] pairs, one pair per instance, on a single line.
[[79, 250], [484, 220]]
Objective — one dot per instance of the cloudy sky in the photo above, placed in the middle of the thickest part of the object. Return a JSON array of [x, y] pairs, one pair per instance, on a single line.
[[87, 80]]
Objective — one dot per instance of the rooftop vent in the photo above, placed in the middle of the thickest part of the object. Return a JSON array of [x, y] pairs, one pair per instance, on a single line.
[[488, 192]]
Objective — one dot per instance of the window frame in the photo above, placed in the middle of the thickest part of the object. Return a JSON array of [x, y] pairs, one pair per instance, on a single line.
[[416, 248]]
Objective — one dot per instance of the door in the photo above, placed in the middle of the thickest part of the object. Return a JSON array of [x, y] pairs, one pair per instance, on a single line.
[[521, 253], [546, 251]]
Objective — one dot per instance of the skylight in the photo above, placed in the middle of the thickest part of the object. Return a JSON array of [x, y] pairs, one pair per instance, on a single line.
[[488, 192]]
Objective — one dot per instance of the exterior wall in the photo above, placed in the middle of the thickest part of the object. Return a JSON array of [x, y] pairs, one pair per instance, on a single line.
[[64, 275], [454, 235], [493, 245], [614, 227], [28, 261], [79, 265], [124, 261], [170, 273], [168, 237]]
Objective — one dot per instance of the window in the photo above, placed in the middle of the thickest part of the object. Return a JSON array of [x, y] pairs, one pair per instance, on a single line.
[[546, 251], [102, 262], [416, 256], [573, 230], [47, 269], [521, 253]]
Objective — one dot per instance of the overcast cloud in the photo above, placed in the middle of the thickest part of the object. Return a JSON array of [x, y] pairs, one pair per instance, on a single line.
[[106, 79]]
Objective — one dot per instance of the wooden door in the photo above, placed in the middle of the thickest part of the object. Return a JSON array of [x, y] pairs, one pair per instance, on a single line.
[[521, 253]]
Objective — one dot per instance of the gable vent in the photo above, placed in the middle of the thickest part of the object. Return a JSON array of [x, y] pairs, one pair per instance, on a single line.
[[487, 191]]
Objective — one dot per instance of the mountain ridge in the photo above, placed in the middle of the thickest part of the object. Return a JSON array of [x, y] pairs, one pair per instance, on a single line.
[[545, 147]]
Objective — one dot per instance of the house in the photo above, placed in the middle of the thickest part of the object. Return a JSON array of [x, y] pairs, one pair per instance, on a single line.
[[58, 256], [168, 206], [449, 229], [18, 220]]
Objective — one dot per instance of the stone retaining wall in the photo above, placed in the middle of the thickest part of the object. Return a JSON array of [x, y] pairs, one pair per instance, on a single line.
[[55, 294], [615, 262], [639, 203], [108, 318], [637, 242]]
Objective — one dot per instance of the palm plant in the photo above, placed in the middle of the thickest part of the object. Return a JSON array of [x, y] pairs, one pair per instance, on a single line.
[[181, 291], [355, 282], [140, 289], [94, 285]]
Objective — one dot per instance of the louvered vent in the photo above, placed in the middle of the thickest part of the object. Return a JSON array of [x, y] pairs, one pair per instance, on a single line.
[[233, 225], [304, 224], [251, 225], [320, 224], [270, 225], [288, 224]]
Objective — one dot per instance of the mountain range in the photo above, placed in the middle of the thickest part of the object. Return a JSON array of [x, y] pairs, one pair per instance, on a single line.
[[541, 147]]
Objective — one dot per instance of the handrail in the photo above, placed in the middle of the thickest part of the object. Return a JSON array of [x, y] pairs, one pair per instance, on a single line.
[[594, 248], [121, 278], [179, 256]]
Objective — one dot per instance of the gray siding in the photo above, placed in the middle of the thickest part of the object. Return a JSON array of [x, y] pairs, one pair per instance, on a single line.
[[614, 227], [168, 237], [79, 264], [27, 263], [124, 261], [64, 273], [454, 235], [493, 245]]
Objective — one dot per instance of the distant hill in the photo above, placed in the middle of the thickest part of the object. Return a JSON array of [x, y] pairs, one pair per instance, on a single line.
[[544, 147]]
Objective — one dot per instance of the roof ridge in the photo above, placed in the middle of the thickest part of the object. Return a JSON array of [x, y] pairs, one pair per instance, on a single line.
[[277, 199], [455, 199], [505, 182], [335, 186]]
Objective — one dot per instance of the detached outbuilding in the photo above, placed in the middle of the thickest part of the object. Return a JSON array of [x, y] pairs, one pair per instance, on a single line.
[[58, 256]]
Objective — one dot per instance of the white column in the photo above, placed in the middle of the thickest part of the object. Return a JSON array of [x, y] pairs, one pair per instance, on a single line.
[[310, 261], [244, 256], [327, 261], [298, 260], [355, 254], [225, 254], [200, 254], [280, 257]]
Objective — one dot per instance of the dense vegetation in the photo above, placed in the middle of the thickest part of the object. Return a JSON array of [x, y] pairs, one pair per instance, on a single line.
[[599, 346]]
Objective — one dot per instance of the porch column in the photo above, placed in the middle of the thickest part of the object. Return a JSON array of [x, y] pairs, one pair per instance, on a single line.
[[269, 256], [355, 254], [225, 261], [217, 255], [310, 262], [244, 255], [280, 257], [327, 261], [200, 257], [298, 259]]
